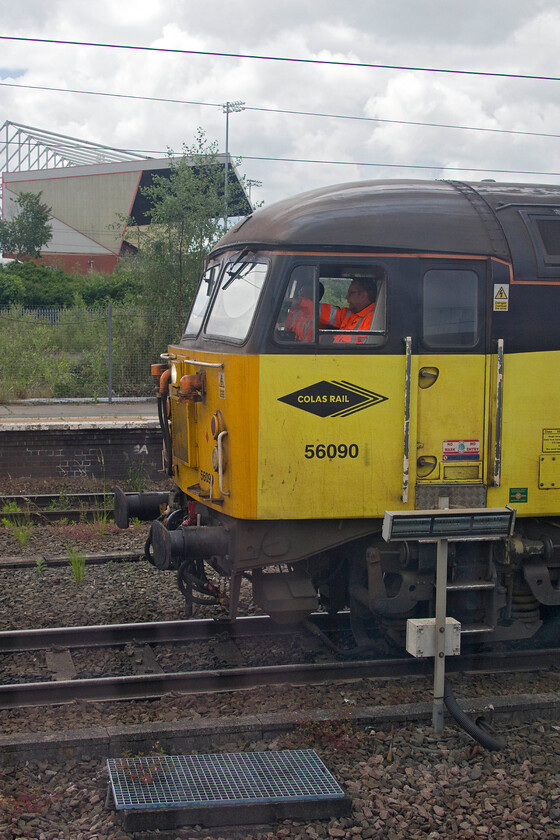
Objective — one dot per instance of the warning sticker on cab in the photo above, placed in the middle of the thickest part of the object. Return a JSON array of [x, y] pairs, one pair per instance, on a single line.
[[501, 297], [461, 450], [551, 440]]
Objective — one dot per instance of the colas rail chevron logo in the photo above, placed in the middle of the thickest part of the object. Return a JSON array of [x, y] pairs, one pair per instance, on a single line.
[[332, 399]]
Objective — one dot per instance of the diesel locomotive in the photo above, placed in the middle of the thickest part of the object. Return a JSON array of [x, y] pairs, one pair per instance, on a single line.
[[287, 444]]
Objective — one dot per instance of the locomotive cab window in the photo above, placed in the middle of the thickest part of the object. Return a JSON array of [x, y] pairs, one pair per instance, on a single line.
[[336, 304], [450, 308], [201, 302], [544, 230], [236, 300]]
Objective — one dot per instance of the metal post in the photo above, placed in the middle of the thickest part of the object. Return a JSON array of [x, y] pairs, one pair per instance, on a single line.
[[227, 108], [226, 168], [110, 353], [439, 657], [406, 450]]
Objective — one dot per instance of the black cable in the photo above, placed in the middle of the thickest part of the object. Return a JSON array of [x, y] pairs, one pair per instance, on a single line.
[[277, 58], [288, 111]]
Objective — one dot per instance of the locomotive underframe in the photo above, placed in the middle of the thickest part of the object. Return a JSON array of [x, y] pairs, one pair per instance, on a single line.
[[499, 591]]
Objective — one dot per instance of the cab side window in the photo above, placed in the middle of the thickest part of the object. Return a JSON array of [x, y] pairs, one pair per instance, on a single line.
[[450, 308], [332, 303]]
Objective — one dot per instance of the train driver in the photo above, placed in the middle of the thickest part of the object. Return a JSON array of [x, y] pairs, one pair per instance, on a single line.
[[358, 315], [299, 320]]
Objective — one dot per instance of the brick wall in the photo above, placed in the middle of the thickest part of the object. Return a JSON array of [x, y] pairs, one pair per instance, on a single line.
[[111, 453]]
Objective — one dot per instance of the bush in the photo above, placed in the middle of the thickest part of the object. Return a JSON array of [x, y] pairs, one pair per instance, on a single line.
[[11, 288], [39, 285], [96, 288]]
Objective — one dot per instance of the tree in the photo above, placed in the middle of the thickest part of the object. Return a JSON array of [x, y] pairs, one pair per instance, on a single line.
[[185, 210], [29, 230]]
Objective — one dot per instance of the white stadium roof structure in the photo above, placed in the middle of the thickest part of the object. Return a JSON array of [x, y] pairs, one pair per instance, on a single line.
[[89, 188]]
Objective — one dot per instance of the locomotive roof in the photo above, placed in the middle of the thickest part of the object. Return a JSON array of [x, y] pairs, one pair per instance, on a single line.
[[408, 215]]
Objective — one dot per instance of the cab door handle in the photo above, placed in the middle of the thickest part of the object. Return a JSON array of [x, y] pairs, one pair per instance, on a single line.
[[427, 376]]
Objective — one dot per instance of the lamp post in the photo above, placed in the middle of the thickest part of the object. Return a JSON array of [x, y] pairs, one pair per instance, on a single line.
[[228, 108]]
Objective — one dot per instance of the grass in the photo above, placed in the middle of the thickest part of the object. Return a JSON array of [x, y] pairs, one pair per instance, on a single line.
[[21, 532], [100, 522], [77, 562], [16, 521]]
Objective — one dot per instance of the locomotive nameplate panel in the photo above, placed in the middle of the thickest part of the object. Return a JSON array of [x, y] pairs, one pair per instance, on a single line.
[[332, 399]]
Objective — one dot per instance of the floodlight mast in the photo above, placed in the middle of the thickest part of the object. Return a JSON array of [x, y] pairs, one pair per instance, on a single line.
[[252, 183], [228, 108]]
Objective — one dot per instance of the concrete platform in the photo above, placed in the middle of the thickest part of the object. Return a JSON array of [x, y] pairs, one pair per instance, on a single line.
[[37, 411]]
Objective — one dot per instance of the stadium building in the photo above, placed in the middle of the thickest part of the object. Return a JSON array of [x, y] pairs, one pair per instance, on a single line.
[[90, 189]]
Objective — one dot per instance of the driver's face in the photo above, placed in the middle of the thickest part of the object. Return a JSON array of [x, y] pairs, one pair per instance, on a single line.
[[357, 298]]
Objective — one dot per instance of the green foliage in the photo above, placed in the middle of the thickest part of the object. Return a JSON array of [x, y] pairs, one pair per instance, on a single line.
[[56, 357], [40, 564], [11, 287], [29, 230], [17, 522], [37, 285], [186, 211], [95, 288], [11, 507], [60, 502], [77, 561], [66, 351]]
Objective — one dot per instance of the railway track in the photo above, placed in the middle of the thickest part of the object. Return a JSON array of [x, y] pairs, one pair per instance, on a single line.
[[60, 560], [153, 682], [44, 501], [164, 632], [45, 508]]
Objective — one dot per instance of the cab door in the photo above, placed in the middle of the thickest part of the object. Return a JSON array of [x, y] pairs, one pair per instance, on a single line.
[[449, 374]]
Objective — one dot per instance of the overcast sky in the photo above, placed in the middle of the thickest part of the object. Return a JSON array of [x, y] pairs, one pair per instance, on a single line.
[[495, 36]]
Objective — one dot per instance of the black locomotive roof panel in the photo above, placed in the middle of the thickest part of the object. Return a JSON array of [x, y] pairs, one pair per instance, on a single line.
[[405, 215], [400, 215]]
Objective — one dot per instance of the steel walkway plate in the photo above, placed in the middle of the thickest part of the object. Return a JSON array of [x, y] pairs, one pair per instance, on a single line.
[[184, 781]]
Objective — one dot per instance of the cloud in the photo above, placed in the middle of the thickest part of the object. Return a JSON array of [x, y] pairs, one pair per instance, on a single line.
[[502, 36]]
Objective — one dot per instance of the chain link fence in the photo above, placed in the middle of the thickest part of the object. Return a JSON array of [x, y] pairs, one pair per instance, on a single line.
[[81, 352]]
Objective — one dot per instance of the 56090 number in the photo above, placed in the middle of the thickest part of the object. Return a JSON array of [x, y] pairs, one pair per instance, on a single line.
[[332, 450]]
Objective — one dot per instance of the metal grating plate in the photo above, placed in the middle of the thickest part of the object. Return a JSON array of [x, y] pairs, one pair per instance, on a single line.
[[222, 779]]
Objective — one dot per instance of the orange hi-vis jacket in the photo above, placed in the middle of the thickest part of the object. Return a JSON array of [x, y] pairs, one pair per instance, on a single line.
[[300, 320], [341, 318]]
